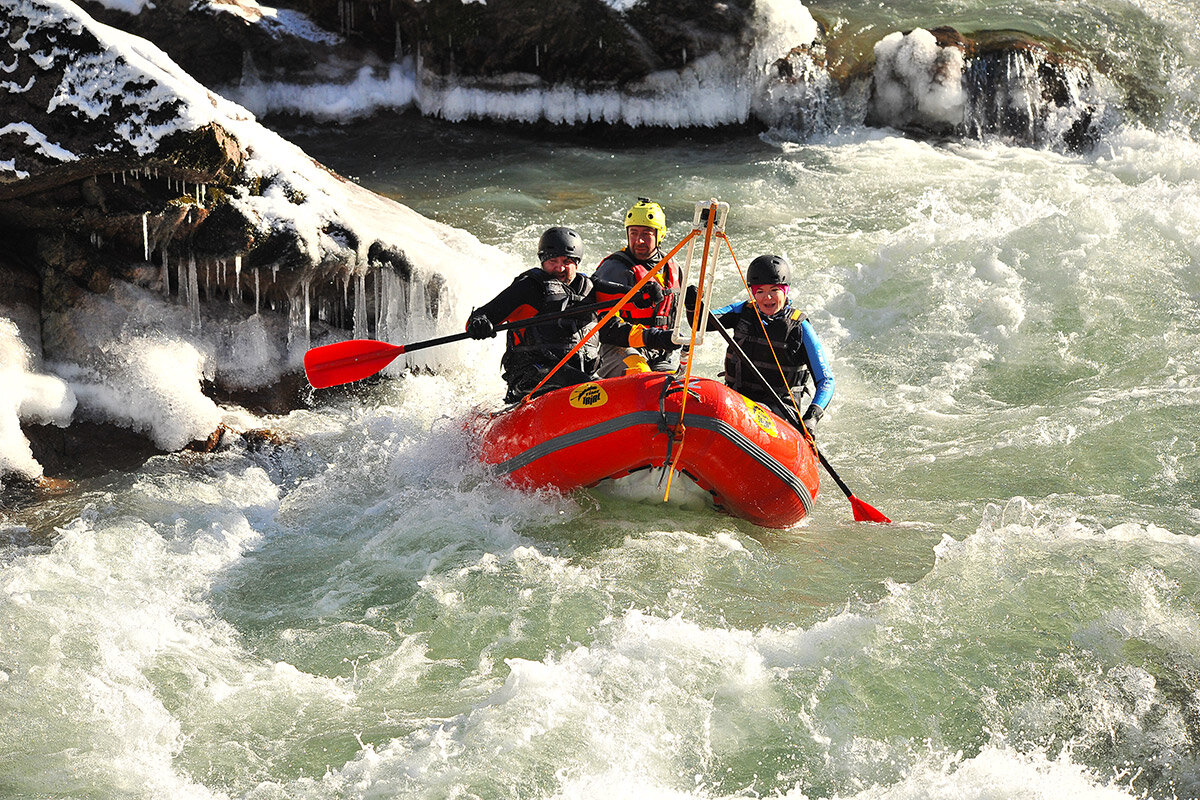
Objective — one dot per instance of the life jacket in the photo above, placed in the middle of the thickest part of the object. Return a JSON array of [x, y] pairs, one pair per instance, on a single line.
[[658, 316], [546, 344], [748, 333]]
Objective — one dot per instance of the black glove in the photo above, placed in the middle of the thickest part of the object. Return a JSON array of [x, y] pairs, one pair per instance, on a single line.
[[480, 327], [650, 295], [811, 417], [658, 339], [689, 300]]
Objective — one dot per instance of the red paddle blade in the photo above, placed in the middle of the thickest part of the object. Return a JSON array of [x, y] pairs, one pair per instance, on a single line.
[[346, 362], [864, 512]]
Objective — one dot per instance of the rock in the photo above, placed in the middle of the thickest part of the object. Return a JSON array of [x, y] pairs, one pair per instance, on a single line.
[[994, 84], [148, 219]]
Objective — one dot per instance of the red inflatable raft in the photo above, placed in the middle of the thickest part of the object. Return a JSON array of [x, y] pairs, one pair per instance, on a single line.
[[755, 465]]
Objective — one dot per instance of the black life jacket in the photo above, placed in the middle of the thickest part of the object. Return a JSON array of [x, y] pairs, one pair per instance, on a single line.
[[546, 344], [748, 333]]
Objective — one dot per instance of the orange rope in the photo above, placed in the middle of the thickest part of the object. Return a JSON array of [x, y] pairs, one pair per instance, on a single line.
[[687, 375], [612, 312]]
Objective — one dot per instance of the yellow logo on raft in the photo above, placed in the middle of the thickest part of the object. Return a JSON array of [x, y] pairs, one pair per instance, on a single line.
[[588, 395], [761, 418]]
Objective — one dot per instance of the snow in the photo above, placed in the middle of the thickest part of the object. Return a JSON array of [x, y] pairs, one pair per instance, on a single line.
[[913, 75], [35, 138], [716, 89], [27, 395], [138, 359], [128, 6]]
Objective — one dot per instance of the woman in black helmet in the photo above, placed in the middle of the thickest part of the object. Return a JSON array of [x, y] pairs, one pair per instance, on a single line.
[[788, 334], [557, 285]]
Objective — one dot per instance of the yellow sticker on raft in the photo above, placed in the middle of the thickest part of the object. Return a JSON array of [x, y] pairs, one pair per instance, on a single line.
[[761, 417], [588, 395]]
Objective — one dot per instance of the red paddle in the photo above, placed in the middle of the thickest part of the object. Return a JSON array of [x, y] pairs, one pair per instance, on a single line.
[[353, 360], [346, 362]]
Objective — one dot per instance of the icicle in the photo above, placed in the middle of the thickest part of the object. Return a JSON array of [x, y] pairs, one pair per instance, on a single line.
[[124, 176], [378, 290], [360, 306], [166, 274], [537, 55], [146, 235], [307, 316], [193, 290], [257, 291]]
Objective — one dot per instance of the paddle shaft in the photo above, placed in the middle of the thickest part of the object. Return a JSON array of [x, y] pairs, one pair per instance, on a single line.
[[528, 322], [345, 362]]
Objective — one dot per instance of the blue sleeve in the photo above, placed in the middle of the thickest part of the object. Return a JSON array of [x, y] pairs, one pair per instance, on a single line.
[[728, 314], [819, 361]]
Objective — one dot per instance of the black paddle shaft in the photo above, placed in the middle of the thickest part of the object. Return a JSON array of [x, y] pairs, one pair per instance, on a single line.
[[521, 323]]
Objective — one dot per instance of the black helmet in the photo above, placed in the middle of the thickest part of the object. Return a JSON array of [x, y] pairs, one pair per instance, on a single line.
[[769, 269], [560, 242]]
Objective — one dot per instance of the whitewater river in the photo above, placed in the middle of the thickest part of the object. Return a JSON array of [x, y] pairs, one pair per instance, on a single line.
[[362, 613]]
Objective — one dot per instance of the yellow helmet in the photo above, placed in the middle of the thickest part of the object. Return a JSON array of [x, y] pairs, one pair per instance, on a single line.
[[648, 214]]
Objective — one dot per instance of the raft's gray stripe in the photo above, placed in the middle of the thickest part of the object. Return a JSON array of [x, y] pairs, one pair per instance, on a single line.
[[717, 426], [577, 437], [772, 465]]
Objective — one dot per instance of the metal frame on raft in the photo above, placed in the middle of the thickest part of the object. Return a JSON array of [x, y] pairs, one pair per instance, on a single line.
[[681, 333]]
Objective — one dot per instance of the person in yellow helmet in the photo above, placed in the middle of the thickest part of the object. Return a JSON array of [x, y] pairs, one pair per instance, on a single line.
[[650, 346]]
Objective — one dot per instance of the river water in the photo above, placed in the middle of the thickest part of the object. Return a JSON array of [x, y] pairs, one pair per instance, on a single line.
[[363, 613]]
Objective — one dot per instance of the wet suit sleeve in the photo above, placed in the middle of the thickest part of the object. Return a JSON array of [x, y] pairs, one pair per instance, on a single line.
[[520, 292], [614, 271], [727, 316], [818, 361]]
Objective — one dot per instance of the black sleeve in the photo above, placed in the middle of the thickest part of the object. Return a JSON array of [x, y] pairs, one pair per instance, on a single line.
[[614, 270], [522, 291]]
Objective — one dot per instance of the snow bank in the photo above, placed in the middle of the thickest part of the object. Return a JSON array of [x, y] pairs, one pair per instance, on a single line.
[[29, 396]]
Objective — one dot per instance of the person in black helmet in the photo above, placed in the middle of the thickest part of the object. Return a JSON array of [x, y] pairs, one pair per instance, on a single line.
[[787, 332], [557, 285]]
